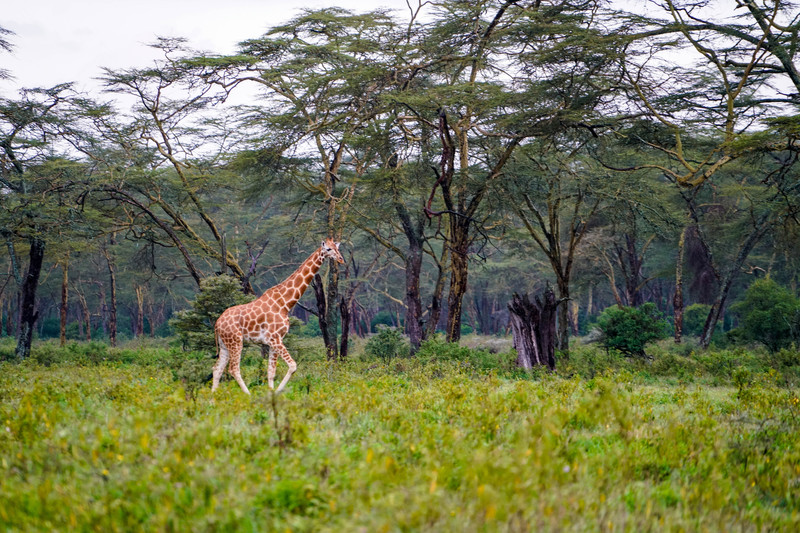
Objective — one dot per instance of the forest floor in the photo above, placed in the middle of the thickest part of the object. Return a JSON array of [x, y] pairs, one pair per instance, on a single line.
[[397, 445]]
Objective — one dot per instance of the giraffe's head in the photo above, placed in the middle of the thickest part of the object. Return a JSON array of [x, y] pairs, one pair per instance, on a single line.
[[331, 249]]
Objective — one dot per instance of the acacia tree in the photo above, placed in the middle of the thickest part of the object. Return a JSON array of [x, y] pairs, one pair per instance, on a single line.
[[730, 219], [733, 87], [320, 75], [499, 74], [36, 191], [729, 106], [555, 205], [391, 211], [159, 164]]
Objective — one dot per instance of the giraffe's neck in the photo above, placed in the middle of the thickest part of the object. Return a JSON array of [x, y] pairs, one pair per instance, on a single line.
[[296, 284]]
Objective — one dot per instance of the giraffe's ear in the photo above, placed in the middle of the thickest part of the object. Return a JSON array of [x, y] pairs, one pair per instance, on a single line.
[[337, 244], [322, 245]]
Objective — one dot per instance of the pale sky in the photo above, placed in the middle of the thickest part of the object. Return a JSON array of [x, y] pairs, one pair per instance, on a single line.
[[61, 41], [58, 41]]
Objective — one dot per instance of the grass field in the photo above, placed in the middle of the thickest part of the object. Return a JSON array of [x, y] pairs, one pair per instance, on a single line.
[[398, 445]]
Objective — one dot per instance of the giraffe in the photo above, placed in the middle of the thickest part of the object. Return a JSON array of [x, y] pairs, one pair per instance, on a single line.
[[266, 321]]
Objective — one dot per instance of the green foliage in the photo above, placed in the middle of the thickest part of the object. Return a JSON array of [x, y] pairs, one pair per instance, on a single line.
[[694, 319], [387, 344], [306, 329], [382, 318], [97, 353], [8, 349], [195, 326], [192, 369], [769, 314], [629, 329], [438, 350]]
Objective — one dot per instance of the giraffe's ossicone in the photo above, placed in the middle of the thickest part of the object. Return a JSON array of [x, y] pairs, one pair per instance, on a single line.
[[266, 321]]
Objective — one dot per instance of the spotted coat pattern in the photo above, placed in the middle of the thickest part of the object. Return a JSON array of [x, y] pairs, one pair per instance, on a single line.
[[266, 321]]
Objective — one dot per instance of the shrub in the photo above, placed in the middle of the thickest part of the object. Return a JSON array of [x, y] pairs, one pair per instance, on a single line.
[[307, 329], [382, 318], [436, 350], [769, 314], [588, 362], [786, 358], [387, 344], [8, 348], [629, 329], [694, 319], [192, 369], [195, 326]]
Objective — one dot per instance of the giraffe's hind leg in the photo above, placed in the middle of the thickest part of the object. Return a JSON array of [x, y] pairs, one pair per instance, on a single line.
[[219, 366], [235, 351]]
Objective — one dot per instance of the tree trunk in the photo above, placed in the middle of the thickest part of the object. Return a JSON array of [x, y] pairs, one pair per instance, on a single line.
[[734, 268], [483, 311], [413, 300], [344, 310], [436, 299], [27, 312], [322, 314], [533, 328], [10, 322], [677, 300], [413, 266], [87, 315], [634, 275], [112, 309], [590, 302], [459, 270], [563, 315], [332, 309], [139, 311], [522, 317], [64, 301], [102, 309], [574, 312]]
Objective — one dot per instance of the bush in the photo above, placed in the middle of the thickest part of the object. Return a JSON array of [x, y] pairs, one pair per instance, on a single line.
[[192, 369], [8, 349], [307, 329], [385, 318], [694, 319], [629, 329], [769, 314], [436, 350], [93, 353], [387, 344], [195, 326]]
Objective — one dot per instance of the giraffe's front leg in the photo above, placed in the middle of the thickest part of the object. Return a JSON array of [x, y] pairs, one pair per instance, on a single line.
[[235, 352], [278, 349]]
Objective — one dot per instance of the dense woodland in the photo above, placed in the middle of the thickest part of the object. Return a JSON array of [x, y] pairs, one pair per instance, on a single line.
[[461, 152]]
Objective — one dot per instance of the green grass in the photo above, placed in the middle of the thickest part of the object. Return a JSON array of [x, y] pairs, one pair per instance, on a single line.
[[109, 445]]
